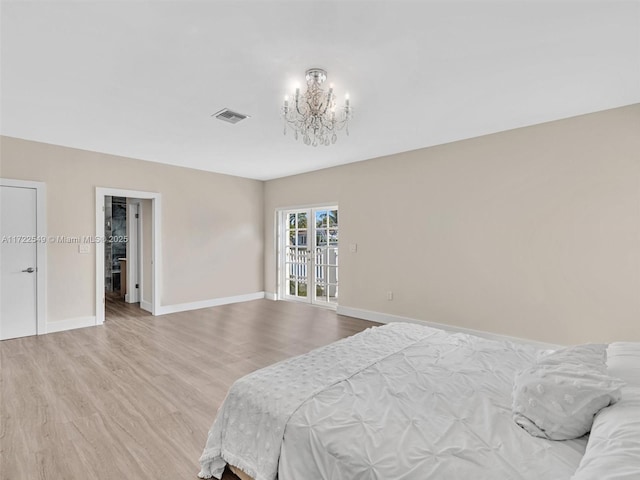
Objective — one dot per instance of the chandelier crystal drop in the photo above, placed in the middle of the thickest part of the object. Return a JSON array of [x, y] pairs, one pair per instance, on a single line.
[[314, 115]]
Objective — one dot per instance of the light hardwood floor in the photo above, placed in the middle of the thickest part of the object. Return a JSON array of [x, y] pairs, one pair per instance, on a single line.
[[134, 398]]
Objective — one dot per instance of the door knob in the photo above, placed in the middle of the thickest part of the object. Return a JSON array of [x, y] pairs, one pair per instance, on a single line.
[[29, 270]]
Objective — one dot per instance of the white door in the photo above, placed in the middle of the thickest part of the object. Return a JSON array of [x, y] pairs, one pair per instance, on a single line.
[[325, 256], [309, 255], [134, 249], [295, 255], [18, 260]]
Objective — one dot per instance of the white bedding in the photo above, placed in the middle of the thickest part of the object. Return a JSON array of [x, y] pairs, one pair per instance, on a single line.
[[248, 429], [437, 408]]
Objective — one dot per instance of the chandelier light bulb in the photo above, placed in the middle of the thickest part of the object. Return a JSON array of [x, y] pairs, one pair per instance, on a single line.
[[314, 115]]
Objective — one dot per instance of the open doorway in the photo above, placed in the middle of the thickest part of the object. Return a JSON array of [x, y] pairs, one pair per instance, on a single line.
[[127, 239], [126, 254]]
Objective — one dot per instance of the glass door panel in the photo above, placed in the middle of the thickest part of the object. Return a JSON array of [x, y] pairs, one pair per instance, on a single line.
[[296, 255], [309, 255]]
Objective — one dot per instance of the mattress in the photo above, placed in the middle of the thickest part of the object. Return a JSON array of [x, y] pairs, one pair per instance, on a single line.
[[432, 406]]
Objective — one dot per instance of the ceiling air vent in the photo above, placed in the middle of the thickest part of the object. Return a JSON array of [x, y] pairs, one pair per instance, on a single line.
[[230, 116]]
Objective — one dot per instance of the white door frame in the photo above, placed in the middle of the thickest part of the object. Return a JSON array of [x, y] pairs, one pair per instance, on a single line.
[[281, 293], [41, 247], [156, 215]]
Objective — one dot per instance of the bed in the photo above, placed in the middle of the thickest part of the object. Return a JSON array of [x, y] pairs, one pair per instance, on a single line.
[[402, 402]]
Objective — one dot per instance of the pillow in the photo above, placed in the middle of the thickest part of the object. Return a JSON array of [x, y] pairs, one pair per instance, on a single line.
[[613, 451], [624, 361], [558, 397], [592, 354]]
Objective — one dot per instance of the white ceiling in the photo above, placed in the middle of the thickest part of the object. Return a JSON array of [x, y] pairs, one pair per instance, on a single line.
[[141, 79]]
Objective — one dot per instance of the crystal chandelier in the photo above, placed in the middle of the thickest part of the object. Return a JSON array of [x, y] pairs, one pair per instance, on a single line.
[[314, 115]]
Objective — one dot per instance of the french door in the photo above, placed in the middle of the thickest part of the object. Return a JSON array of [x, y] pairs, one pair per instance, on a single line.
[[309, 255]]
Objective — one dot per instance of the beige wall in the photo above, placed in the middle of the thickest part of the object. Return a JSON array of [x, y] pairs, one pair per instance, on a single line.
[[212, 225], [533, 233]]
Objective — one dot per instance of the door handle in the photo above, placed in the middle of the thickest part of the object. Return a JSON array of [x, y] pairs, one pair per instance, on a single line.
[[29, 270]]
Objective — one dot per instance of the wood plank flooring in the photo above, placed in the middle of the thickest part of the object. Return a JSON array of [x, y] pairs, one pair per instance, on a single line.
[[134, 398]]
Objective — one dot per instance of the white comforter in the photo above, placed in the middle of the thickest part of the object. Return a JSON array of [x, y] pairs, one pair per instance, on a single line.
[[401, 402]]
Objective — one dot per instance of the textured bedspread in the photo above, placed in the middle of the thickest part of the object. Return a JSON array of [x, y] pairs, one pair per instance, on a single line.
[[438, 410], [401, 402], [249, 427]]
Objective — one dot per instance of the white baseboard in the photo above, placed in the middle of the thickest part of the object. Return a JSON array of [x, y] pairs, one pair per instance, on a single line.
[[270, 296], [388, 318], [214, 302], [71, 324], [146, 306]]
